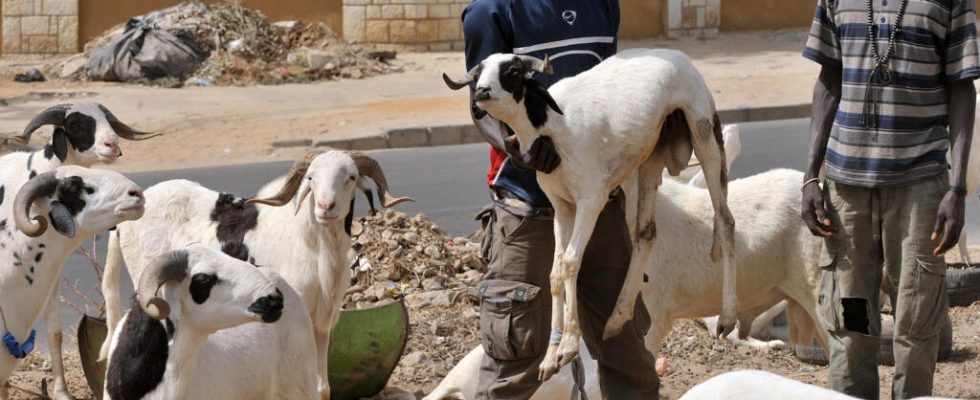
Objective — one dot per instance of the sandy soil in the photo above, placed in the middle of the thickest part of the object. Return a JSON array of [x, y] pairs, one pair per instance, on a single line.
[[231, 125]]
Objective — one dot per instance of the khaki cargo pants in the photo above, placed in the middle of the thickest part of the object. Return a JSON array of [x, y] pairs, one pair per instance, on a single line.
[[515, 312], [890, 228]]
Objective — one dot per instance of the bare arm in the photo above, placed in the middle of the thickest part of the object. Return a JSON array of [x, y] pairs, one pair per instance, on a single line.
[[952, 210], [826, 98]]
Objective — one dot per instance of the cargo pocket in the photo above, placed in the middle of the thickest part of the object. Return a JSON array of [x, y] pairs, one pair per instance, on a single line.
[[486, 218], [828, 303], [928, 303], [512, 322]]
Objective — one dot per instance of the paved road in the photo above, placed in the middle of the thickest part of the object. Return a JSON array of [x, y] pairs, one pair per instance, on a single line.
[[447, 183]]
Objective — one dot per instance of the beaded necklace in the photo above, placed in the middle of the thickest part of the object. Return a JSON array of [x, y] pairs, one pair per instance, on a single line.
[[881, 74]]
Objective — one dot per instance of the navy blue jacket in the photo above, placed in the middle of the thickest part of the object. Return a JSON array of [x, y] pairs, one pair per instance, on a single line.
[[575, 34]]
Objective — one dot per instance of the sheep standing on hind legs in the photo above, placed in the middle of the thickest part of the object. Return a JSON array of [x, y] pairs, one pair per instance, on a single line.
[[606, 124]]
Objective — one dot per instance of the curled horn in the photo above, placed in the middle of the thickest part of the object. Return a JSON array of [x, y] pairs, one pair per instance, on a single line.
[[537, 65], [369, 167], [41, 185], [125, 131], [470, 77], [293, 180], [54, 115], [169, 267]]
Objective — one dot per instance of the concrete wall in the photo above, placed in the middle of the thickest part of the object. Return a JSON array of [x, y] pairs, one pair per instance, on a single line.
[[97, 16], [641, 18], [750, 15], [418, 25], [39, 26]]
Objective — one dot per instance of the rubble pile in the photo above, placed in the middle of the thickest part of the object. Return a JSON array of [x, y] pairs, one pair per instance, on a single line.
[[398, 255], [244, 48]]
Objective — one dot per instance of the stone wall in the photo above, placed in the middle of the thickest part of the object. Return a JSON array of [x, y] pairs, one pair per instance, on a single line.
[[693, 17], [40, 26], [416, 25]]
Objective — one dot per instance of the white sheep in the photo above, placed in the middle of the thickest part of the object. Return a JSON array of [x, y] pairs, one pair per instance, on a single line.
[[776, 257], [236, 332], [78, 203], [306, 243], [84, 134], [754, 384], [606, 125]]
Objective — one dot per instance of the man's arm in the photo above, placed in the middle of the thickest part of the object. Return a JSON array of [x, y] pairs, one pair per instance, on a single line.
[[952, 210], [826, 98]]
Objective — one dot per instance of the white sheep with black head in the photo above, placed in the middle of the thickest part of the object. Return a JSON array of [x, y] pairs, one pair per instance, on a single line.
[[607, 124], [68, 206], [306, 242], [205, 325], [85, 134]]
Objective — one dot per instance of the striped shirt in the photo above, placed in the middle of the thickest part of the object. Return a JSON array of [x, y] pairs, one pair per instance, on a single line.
[[905, 138]]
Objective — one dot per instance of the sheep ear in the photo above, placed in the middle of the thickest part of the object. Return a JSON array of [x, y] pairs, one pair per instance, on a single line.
[[349, 219], [62, 220], [536, 88], [59, 143], [304, 190]]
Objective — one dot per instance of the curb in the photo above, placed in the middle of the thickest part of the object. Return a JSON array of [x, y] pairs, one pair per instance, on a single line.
[[447, 135]]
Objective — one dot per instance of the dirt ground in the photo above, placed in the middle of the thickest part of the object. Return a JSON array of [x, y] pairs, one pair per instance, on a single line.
[[234, 125]]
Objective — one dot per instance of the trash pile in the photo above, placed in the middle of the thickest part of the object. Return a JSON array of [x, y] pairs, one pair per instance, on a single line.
[[398, 256], [401, 256], [222, 44]]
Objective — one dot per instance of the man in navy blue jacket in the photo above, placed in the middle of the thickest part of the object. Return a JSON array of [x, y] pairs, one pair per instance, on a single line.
[[515, 300]]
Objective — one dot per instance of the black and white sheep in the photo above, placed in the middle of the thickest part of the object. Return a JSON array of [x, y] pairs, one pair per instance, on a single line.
[[606, 124], [235, 332], [306, 243], [84, 134], [78, 203]]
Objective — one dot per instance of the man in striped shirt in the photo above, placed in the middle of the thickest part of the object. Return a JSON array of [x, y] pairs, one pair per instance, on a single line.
[[895, 91]]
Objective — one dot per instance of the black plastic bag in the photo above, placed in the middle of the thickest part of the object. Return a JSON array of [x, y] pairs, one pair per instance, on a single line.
[[144, 51]]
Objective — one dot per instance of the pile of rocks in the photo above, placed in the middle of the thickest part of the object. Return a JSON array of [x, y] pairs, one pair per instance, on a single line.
[[397, 256]]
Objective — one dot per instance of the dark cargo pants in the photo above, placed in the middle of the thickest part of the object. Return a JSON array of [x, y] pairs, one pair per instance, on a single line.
[[890, 228], [515, 312]]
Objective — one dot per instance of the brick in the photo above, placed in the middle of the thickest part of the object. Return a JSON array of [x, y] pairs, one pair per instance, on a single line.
[[354, 23], [59, 7], [11, 43], [711, 18], [373, 12], [456, 10], [43, 44], [34, 25], [427, 30], [459, 45], [450, 29], [67, 34], [439, 11], [674, 14], [700, 17], [696, 3], [37, 7], [18, 7], [376, 31], [689, 18], [416, 12], [402, 31], [392, 12], [357, 2], [11, 27]]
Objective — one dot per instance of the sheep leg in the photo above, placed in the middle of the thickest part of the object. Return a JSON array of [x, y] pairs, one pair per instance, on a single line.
[[370, 200], [802, 312], [706, 138], [586, 213], [110, 289], [322, 347], [564, 218], [645, 235], [52, 327]]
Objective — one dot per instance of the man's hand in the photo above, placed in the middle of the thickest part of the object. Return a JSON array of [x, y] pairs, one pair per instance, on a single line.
[[949, 222], [541, 156], [814, 213]]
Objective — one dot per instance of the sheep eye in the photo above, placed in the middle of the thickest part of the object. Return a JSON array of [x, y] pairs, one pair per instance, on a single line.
[[352, 177], [89, 189]]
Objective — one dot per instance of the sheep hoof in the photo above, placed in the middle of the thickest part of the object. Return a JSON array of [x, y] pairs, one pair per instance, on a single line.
[[549, 366], [725, 327]]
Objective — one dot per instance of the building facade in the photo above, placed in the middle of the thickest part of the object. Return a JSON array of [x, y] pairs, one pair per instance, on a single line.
[[64, 26]]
